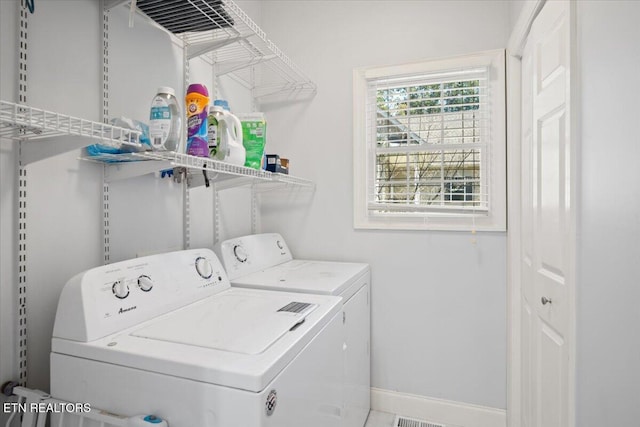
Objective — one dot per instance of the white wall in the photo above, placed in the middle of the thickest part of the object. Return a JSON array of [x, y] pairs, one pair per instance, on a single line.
[[608, 295], [438, 300]]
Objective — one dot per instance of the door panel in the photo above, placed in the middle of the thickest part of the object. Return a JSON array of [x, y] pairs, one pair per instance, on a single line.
[[552, 374], [547, 243], [550, 191]]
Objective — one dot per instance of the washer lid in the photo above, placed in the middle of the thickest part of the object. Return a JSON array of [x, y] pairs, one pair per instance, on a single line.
[[317, 277], [236, 323], [188, 350]]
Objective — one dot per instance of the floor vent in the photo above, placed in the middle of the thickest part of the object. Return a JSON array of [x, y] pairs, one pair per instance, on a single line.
[[412, 422]]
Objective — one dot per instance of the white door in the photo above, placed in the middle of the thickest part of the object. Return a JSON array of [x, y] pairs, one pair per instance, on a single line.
[[548, 222]]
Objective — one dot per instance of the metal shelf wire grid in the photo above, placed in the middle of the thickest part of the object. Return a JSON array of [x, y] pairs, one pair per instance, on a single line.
[[261, 177], [234, 43], [21, 122], [203, 163], [289, 179]]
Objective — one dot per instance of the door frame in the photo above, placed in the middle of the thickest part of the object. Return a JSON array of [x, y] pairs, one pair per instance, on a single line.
[[515, 49]]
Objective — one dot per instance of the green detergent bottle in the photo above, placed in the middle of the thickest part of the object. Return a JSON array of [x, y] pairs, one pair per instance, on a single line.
[[254, 138]]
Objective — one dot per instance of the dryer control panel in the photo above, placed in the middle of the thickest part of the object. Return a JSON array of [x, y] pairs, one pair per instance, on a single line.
[[249, 254], [113, 297]]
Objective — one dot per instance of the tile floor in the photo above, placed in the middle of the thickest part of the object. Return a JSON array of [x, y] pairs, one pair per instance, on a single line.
[[380, 419]]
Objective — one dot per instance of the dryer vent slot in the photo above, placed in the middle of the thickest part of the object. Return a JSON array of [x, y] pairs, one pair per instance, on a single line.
[[295, 307], [412, 422]]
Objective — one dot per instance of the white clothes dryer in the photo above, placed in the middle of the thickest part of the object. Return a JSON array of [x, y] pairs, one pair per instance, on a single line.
[[167, 335], [264, 261]]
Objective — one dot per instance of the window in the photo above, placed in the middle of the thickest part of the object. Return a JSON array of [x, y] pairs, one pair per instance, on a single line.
[[429, 144]]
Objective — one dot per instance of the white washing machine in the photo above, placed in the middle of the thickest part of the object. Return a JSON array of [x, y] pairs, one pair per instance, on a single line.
[[263, 261], [167, 335]]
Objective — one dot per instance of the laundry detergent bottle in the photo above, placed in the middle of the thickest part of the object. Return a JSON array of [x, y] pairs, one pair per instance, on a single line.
[[197, 102], [165, 120], [230, 148]]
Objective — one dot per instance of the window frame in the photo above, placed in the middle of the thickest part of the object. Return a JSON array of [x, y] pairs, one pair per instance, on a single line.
[[364, 154]]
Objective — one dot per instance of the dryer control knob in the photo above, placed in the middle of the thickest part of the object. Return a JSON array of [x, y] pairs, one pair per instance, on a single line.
[[145, 283], [203, 267], [240, 253], [120, 289]]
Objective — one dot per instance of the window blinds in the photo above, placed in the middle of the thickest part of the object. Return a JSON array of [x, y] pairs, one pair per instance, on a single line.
[[428, 140]]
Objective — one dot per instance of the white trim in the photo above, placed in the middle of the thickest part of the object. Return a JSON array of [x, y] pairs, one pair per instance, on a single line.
[[515, 46], [514, 239], [495, 220], [522, 27], [437, 410], [575, 108]]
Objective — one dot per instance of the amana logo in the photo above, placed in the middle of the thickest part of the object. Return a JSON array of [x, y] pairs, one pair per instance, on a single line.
[[124, 310]]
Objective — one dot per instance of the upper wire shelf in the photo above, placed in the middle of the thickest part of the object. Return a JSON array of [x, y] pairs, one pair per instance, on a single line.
[[21, 122], [221, 33]]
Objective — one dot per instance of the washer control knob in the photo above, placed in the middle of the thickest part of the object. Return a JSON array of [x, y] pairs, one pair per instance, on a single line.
[[203, 267], [145, 283], [120, 289], [240, 253], [280, 245]]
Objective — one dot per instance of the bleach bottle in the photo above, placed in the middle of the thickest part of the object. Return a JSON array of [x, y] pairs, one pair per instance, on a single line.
[[229, 136]]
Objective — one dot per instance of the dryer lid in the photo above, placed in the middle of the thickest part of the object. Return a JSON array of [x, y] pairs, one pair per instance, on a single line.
[[230, 322], [320, 277]]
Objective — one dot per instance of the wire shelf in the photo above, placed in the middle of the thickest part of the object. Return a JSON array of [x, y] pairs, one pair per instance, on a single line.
[[21, 122], [221, 33], [289, 179], [113, 158], [203, 163], [219, 171]]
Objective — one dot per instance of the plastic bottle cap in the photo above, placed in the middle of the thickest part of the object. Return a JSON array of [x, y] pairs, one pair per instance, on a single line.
[[216, 108], [198, 88], [222, 103], [167, 89], [153, 419]]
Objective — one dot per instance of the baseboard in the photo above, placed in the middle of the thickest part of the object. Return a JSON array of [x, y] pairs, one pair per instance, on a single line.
[[445, 412]]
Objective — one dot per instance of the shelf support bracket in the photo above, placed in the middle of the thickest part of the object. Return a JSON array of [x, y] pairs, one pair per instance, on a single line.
[[197, 49], [231, 66], [126, 170], [40, 149], [110, 4]]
